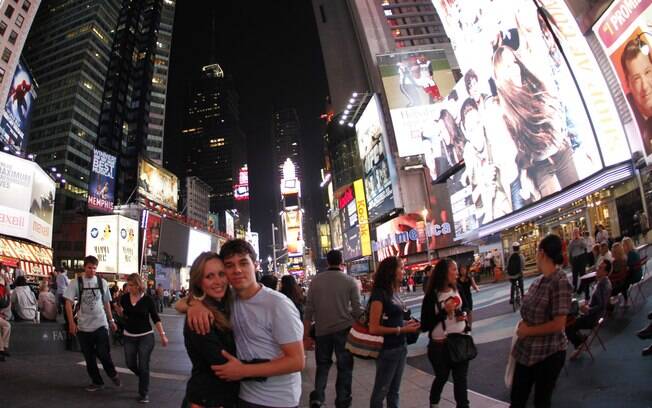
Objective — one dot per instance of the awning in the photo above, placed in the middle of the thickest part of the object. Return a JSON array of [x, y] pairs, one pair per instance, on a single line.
[[33, 259]]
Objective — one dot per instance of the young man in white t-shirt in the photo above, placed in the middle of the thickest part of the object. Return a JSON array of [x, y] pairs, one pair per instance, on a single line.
[[267, 330], [91, 327]]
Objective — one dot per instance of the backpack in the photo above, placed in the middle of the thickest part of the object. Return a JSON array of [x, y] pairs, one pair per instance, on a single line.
[[80, 285], [5, 298], [514, 266]]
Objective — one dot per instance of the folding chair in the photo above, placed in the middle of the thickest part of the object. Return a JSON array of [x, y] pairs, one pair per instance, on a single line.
[[637, 290], [595, 334], [643, 265]]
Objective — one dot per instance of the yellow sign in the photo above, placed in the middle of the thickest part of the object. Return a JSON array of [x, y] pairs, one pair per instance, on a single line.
[[363, 220]]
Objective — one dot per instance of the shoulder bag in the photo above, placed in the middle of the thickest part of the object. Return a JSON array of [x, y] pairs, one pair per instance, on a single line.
[[461, 347], [360, 342]]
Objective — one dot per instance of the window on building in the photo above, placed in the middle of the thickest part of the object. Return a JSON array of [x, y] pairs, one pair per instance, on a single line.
[[6, 55], [19, 20], [26, 5], [9, 11], [2, 74], [3, 28], [13, 36]]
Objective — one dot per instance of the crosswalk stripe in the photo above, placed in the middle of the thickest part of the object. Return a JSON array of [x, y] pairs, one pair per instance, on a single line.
[[154, 374]]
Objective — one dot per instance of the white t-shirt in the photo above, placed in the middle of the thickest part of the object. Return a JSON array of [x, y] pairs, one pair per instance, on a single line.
[[260, 326], [452, 325], [92, 315]]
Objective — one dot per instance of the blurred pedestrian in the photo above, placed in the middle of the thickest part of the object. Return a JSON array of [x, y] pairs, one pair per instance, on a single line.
[[47, 303], [62, 284], [269, 281], [23, 300], [291, 289], [465, 283]]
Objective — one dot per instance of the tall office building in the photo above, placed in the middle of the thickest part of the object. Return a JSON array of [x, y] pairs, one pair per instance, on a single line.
[[69, 49], [414, 23], [133, 105], [286, 132], [211, 132], [15, 22]]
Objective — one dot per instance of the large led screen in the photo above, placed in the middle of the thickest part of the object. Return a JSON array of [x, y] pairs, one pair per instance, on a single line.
[[525, 132], [377, 181], [623, 32], [158, 184], [101, 185], [352, 248], [413, 83], [198, 242], [27, 196], [292, 220], [15, 120]]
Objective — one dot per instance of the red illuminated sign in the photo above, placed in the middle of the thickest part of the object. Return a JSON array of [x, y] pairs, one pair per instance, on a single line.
[[346, 198]]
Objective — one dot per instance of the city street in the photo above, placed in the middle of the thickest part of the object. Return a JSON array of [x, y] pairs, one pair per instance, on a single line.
[[59, 379]]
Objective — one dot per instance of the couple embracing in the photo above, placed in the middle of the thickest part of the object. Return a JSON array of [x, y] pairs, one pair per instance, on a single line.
[[243, 339]]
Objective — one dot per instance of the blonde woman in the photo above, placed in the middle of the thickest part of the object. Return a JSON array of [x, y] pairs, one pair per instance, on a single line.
[[620, 276], [47, 303], [209, 285], [136, 308]]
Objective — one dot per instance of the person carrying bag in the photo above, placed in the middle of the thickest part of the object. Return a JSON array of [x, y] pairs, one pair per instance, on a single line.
[[451, 347]]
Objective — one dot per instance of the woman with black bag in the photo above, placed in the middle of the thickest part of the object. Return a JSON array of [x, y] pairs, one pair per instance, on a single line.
[[450, 348]]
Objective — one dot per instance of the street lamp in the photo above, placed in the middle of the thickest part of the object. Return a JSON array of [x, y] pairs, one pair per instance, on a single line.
[[424, 214], [274, 229]]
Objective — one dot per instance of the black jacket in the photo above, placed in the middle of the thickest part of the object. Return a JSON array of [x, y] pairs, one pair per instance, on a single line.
[[204, 387], [429, 316]]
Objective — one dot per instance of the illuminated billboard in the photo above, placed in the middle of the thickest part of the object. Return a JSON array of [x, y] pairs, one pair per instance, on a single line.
[[241, 190], [352, 248], [101, 185], [198, 242], [252, 238], [229, 224], [336, 232], [157, 184], [363, 218], [525, 132], [371, 135], [292, 221], [414, 82], [27, 196], [290, 184], [113, 240], [16, 117], [623, 31], [213, 223]]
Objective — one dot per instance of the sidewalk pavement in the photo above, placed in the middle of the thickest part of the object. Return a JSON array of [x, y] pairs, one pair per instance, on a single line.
[[415, 387]]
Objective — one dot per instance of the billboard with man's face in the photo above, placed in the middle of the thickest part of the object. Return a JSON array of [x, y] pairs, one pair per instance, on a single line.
[[525, 132], [16, 117], [623, 33], [158, 184]]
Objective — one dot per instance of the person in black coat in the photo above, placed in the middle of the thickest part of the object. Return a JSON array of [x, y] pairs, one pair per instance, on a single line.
[[208, 284]]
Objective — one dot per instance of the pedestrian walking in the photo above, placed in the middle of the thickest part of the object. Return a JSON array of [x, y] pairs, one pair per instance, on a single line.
[[159, 297], [62, 284], [291, 289], [465, 283], [90, 324], [386, 318], [267, 331], [136, 309], [441, 315], [210, 287], [166, 297], [577, 250], [333, 304], [410, 283], [540, 350]]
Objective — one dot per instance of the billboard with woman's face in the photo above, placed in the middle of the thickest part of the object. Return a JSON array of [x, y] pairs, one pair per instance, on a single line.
[[526, 134]]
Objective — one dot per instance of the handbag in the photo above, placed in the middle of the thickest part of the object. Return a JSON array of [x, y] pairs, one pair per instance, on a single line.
[[511, 362], [461, 347], [360, 342]]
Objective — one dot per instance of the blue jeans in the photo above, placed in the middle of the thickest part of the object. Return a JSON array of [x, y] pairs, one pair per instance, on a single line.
[[137, 354], [324, 347], [95, 345], [389, 371]]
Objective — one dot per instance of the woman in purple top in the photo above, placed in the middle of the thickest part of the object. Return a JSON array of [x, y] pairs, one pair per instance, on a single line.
[[540, 350]]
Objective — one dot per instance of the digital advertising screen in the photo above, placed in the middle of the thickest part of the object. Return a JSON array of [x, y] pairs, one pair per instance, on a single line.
[[16, 117], [213, 222], [252, 238], [229, 224], [336, 232], [157, 184], [414, 82], [377, 181], [241, 190], [623, 31], [101, 185], [27, 197], [525, 130], [352, 248], [292, 220], [198, 242]]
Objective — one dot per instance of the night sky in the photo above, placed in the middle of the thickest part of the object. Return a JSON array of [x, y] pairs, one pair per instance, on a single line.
[[272, 51]]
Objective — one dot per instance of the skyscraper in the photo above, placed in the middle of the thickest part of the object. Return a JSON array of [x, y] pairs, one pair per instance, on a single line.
[[286, 132], [212, 135], [414, 23], [133, 105], [69, 49]]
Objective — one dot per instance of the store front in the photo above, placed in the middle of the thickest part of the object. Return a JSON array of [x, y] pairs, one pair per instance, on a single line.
[[34, 260]]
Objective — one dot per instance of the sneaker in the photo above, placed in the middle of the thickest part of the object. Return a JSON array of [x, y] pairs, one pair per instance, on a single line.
[[143, 399], [94, 387], [116, 381]]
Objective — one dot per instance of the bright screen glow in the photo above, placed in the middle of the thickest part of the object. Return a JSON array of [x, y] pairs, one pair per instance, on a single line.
[[198, 242]]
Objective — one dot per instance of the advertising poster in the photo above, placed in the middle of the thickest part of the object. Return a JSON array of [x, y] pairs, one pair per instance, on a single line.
[[623, 33], [153, 234], [229, 224], [293, 232], [213, 223], [352, 248], [377, 181], [15, 121], [198, 242], [413, 83], [586, 13], [363, 218], [27, 196], [127, 246], [526, 133], [158, 184], [101, 186], [241, 190], [102, 241], [252, 238], [336, 232]]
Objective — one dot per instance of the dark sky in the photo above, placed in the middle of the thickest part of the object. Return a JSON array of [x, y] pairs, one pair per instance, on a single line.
[[272, 50]]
